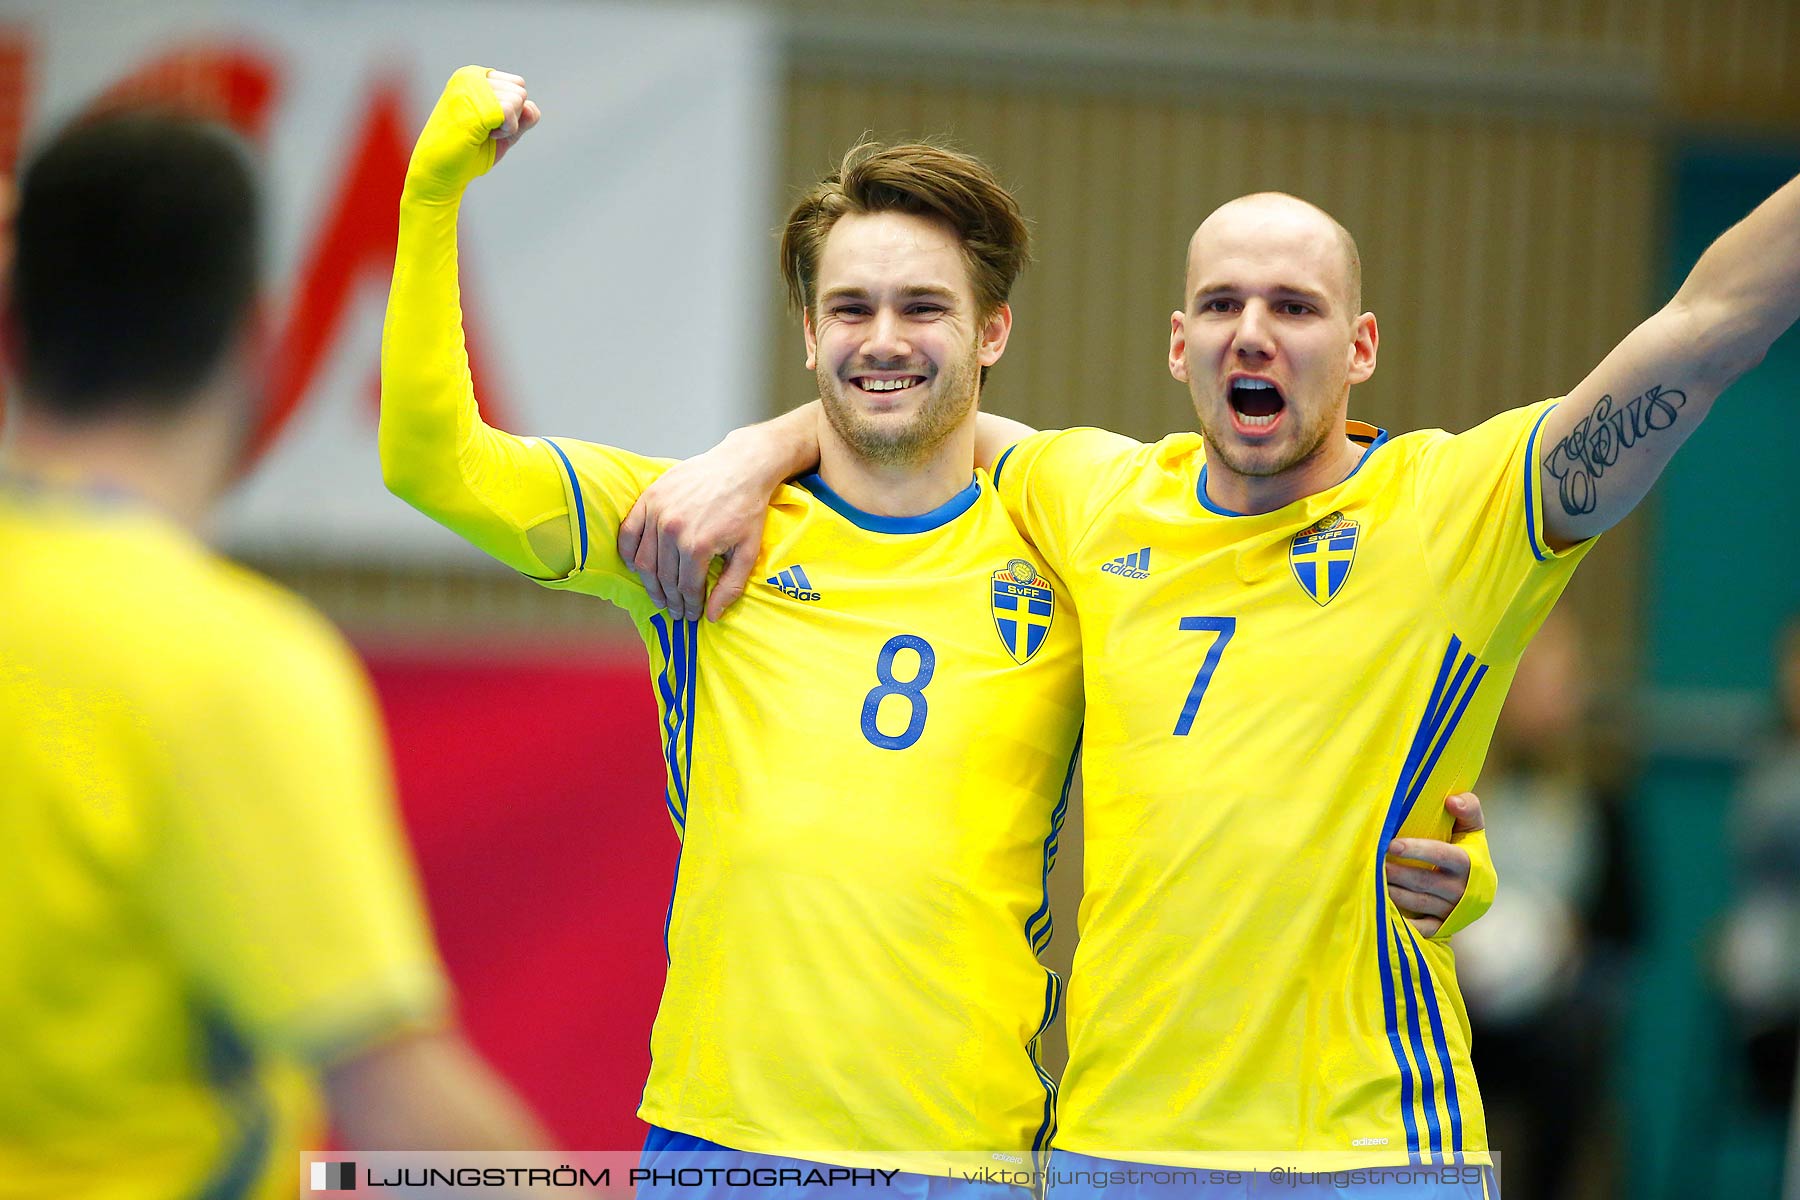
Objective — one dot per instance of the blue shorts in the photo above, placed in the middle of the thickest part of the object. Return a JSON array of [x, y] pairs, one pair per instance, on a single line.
[[1075, 1176], [683, 1167]]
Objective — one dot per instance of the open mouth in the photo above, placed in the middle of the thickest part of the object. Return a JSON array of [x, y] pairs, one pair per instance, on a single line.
[[884, 386], [1256, 404]]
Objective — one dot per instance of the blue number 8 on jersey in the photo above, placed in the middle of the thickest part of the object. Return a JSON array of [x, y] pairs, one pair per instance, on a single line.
[[913, 689]]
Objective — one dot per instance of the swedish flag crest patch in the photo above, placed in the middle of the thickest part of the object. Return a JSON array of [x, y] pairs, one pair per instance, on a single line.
[[1023, 604], [1322, 554]]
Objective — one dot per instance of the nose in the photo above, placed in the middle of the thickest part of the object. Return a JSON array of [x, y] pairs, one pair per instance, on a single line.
[[884, 338], [1252, 339]]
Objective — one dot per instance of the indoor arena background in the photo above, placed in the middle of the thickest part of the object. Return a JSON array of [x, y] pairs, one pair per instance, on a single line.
[[1526, 180]]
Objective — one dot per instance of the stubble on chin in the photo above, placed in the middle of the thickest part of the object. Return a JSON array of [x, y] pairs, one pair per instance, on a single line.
[[903, 442], [1264, 462]]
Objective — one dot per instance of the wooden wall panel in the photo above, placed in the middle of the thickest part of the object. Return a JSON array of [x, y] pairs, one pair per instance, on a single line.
[[1735, 62]]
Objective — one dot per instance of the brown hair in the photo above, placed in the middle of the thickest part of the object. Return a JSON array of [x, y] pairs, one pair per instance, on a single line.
[[927, 181]]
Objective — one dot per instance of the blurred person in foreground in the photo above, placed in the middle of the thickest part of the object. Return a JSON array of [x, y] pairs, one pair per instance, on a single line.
[[1758, 955], [207, 913], [1542, 972], [868, 760], [1320, 621]]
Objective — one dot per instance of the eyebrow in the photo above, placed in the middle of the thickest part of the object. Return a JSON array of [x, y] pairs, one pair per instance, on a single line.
[[928, 291], [1311, 295]]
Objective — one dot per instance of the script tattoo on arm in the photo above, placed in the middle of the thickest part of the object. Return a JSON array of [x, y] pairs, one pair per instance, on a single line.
[[1579, 460]]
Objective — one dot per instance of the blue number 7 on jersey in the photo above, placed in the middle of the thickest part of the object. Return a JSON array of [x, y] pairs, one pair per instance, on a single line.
[[1224, 627]]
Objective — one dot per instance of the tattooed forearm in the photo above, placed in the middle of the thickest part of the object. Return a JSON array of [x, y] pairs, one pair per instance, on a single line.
[[1579, 460]]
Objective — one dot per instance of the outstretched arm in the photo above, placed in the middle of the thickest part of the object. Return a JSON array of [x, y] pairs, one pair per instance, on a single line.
[[501, 492], [714, 505], [1601, 449]]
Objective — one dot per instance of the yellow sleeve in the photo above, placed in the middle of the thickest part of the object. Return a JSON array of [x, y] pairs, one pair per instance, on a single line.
[[1482, 512], [279, 874], [600, 484], [501, 492], [1054, 483]]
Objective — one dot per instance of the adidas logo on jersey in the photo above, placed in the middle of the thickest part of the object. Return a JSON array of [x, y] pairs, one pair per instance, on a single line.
[[793, 582], [1131, 566]]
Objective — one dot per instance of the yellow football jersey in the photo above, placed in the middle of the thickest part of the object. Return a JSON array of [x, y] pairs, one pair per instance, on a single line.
[[1270, 697], [206, 891], [867, 759]]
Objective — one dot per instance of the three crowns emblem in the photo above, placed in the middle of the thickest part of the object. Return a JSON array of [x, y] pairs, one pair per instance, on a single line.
[[1023, 605], [1322, 554]]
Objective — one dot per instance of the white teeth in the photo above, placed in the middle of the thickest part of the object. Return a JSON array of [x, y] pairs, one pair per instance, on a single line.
[[1252, 383], [887, 385], [1257, 422]]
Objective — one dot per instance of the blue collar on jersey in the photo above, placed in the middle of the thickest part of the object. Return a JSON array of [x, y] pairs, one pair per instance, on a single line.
[[95, 489], [1371, 438], [943, 514]]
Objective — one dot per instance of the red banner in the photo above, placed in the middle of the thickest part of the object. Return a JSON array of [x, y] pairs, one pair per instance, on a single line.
[[534, 796]]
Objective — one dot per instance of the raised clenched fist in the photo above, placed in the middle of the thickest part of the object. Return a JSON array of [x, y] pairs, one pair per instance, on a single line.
[[520, 112]]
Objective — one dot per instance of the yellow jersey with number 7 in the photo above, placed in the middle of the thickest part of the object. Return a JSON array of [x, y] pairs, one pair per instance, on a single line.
[[1270, 697]]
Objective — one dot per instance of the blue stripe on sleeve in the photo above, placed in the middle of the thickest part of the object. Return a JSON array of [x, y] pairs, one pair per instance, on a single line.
[[1000, 464], [580, 507], [1538, 550]]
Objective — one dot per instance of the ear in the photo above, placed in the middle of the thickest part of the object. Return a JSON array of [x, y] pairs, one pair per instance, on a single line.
[[252, 356], [994, 332], [1178, 345], [812, 340], [1365, 338], [12, 342]]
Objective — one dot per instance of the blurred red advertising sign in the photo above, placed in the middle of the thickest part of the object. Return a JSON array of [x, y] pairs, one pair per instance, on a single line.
[[613, 268]]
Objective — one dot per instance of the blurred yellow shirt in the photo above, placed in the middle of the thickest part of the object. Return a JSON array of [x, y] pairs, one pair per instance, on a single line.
[[206, 894]]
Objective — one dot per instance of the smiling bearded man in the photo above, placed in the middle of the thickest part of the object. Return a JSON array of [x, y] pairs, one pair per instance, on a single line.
[[868, 764]]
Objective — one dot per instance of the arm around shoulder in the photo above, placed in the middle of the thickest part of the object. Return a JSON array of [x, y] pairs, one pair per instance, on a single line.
[[713, 506], [994, 436]]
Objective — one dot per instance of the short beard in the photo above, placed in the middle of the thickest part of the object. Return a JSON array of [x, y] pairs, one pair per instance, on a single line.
[[1309, 442], [896, 444]]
